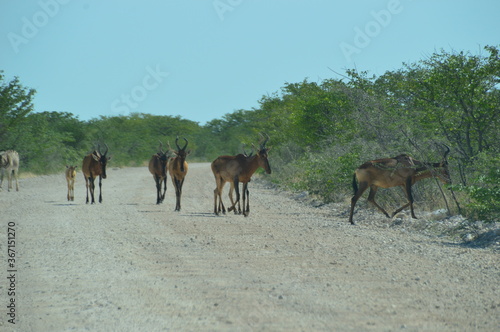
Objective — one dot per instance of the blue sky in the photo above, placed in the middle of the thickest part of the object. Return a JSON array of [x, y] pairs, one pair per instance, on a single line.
[[206, 58]]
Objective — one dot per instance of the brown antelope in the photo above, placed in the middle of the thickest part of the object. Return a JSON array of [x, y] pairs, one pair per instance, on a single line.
[[244, 186], [94, 164], [157, 167], [236, 169], [9, 162], [402, 171], [70, 179], [178, 168]]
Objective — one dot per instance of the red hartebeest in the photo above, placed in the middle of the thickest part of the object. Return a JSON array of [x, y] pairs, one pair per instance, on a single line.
[[94, 164], [157, 167], [244, 186], [70, 179], [178, 168], [402, 171], [9, 162], [236, 169]]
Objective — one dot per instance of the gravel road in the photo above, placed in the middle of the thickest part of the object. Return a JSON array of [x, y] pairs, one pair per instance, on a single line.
[[131, 265]]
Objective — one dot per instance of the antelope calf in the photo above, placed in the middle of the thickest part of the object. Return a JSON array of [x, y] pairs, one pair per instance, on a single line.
[[94, 165], [157, 167], [178, 168], [70, 179], [236, 169], [9, 162], [402, 171]]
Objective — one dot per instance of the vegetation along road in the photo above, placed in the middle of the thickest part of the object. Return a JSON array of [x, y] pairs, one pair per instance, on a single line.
[[129, 264]]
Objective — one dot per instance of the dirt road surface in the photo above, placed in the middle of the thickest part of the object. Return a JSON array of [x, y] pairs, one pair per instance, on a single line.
[[131, 265]]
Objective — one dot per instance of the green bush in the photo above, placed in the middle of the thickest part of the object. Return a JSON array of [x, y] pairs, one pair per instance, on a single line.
[[484, 191]]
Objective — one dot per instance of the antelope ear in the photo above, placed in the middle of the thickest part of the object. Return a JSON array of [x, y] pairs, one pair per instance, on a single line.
[[67, 166], [188, 152], [96, 158], [109, 158], [268, 149]]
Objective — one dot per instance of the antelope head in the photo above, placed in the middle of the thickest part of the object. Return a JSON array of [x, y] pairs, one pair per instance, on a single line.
[[262, 153], [181, 153], [162, 154], [102, 159]]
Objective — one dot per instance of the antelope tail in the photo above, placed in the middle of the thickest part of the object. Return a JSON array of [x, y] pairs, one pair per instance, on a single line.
[[354, 184]]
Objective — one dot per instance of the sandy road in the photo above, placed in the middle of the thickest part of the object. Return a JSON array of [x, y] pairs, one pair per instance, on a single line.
[[131, 265]]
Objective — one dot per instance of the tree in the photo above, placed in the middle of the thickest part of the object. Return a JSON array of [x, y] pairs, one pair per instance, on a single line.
[[15, 104], [454, 96]]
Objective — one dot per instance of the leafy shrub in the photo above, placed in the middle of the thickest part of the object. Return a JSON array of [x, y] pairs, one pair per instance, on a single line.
[[484, 192]]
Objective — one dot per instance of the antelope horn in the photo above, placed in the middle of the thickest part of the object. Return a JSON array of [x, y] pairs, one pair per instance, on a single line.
[[185, 145], [169, 147], [107, 148], [447, 151], [176, 140], [161, 147], [263, 145], [440, 146], [245, 153]]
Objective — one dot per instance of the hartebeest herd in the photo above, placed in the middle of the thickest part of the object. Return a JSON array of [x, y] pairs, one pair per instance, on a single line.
[[402, 170]]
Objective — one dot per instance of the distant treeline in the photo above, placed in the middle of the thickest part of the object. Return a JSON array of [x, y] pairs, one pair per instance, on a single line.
[[320, 131]]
